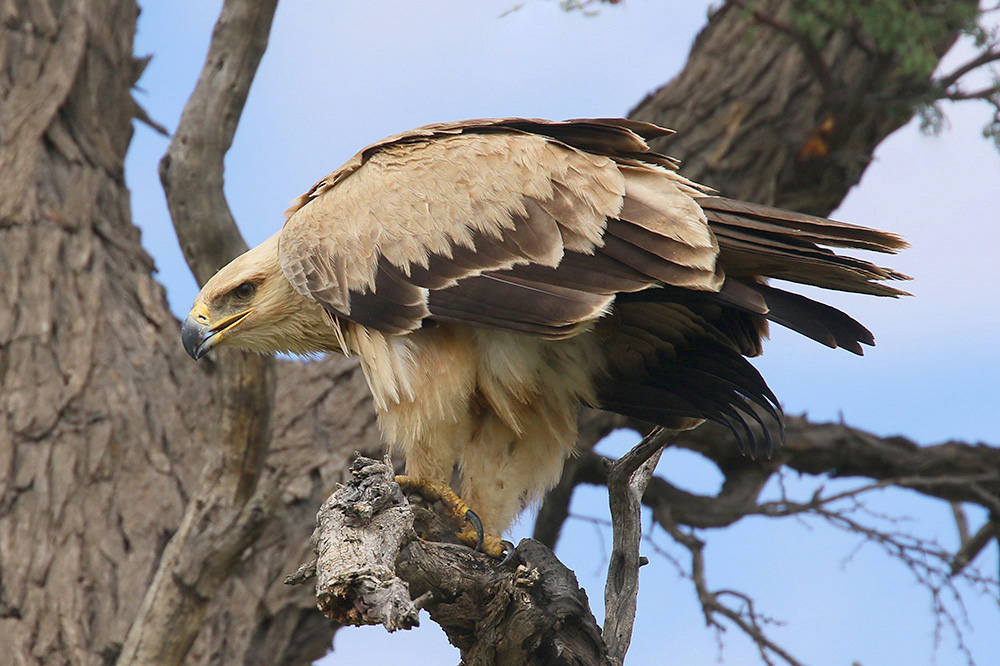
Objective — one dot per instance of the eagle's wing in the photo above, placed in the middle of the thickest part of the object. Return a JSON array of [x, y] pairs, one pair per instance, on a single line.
[[519, 225], [535, 226]]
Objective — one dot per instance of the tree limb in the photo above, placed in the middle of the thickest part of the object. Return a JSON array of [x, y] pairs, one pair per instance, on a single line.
[[228, 511], [985, 57], [370, 564], [192, 170], [627, 480], [972, 546]]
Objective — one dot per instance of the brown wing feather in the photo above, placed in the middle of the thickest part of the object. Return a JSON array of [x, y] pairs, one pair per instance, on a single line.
[[536, 226], [761, 241], [800, 225], [473, 223]]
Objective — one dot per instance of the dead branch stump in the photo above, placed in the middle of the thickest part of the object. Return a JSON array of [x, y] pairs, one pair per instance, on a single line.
[[371, 568]]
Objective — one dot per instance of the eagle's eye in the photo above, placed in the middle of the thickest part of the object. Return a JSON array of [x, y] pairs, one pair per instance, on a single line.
[[245, 291]]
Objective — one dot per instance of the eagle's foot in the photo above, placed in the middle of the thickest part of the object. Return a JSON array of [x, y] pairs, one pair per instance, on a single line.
[[493, 546], [472, 535]]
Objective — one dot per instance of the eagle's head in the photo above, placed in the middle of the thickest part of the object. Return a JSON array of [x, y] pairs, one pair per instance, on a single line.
[[250, 305]]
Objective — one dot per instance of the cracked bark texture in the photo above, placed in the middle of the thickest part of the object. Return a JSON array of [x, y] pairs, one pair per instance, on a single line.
[[528, 610], [105, 423], [761, 119]]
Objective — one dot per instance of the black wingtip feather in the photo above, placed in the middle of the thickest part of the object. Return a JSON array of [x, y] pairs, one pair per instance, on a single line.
[[708, 381]]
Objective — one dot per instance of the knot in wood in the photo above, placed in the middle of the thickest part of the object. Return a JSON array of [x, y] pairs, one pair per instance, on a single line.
[[372, 489], [526, 576]]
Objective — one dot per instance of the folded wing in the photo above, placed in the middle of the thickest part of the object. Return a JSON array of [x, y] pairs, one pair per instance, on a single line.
[[543, 228]]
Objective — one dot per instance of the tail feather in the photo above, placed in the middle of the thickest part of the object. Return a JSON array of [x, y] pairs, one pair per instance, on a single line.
[[759, 241], [823, 323], [767, 219]]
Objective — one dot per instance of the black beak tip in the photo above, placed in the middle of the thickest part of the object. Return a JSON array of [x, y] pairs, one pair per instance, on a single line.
[[193, 337]]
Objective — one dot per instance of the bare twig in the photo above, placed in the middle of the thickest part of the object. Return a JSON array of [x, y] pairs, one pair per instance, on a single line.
[[985, 57], [627, 481], [986, 94], [748, 620], [930, 563]]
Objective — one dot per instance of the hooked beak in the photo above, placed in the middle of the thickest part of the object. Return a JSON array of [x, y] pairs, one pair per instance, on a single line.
[[199, 338]]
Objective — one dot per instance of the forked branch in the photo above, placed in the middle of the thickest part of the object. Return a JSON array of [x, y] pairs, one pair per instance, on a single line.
[[231, 506]]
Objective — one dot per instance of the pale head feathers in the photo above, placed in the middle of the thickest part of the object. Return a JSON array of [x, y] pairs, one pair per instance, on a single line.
[[281, 319]]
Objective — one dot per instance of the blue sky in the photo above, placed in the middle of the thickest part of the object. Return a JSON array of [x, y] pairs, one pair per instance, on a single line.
[[340, 75]]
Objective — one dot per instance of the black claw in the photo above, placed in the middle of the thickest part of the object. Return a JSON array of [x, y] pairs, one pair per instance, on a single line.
[[473, 519], [509, 547]]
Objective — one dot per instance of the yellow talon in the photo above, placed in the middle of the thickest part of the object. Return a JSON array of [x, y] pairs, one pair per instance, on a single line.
[[459, 512], [493, 546], [434, 492]]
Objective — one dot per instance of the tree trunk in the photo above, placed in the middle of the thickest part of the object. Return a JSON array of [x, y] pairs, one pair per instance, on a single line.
[[105, 423], [768, 114]]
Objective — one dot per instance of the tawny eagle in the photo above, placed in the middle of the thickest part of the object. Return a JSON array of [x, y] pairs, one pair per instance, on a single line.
[[493, 275]]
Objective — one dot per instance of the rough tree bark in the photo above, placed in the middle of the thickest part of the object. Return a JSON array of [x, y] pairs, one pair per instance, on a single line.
[[105, 424], [761, 116], [527, 610]]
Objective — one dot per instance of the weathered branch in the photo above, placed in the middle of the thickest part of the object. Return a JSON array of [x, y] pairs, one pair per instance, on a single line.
[[953, 471], [192, 170], [972, 546], [981, 59], [627, 480], [370, 564], [359, 531]]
